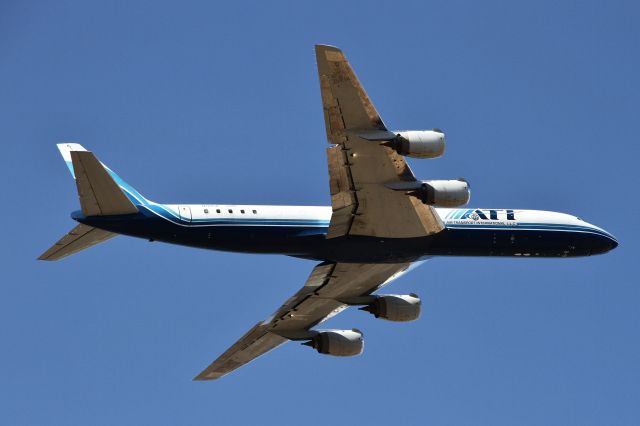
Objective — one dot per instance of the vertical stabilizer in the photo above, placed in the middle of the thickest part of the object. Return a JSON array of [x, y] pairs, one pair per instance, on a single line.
[[68, 149], [99, 194]]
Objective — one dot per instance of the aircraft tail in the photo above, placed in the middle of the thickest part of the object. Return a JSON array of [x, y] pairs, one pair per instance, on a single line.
[[101, 193]]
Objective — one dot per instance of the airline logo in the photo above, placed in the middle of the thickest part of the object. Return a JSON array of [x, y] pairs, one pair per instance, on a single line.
[[485, 217]]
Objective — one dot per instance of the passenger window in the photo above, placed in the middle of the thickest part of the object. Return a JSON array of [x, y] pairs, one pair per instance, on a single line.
[[255, 212], [242, 211], [217, 210], [230, 211], [206, 211]]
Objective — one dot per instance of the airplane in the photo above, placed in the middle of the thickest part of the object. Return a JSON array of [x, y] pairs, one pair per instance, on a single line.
[[382, 223]]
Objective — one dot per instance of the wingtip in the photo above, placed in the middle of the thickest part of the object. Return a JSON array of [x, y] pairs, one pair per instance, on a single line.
[[208, 374], [326, 54], [204, 378], [321, 47]]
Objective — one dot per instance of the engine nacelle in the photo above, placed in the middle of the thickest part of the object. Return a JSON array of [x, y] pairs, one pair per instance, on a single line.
[[395, 307], [338, 342], [443, 193], [419, 143]]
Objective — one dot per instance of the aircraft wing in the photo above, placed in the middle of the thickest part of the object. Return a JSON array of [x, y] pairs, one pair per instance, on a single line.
[[326, 292], [359, 166]]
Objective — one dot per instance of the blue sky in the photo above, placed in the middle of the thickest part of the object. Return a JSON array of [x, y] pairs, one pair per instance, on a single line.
[[206, 102]]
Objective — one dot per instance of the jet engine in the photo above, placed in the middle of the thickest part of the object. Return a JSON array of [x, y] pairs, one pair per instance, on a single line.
[[443, 193], [338, 342], [395, 307], [418, 143]]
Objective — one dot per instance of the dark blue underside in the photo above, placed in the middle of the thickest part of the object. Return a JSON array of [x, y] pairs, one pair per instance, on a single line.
[[310, 241]]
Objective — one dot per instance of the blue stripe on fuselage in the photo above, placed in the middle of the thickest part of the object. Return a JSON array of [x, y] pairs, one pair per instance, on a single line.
[[169, 215]]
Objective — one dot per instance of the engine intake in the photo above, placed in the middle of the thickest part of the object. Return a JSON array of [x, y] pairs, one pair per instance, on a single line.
[[338, 342], [418, 143], [395, 307]]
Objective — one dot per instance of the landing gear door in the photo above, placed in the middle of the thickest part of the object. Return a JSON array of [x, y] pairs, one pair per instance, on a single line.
[[185, 213]]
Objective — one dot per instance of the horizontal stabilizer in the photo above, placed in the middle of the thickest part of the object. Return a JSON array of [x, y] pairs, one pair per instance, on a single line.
[[99, 194], [79, 238]]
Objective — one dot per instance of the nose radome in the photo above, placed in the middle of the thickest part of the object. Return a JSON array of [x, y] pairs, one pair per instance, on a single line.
[[607, 241], [605, 244]]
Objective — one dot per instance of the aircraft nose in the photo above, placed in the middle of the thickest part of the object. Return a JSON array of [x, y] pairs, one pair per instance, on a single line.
[[600, 241], [612, 243], [605, 244]]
